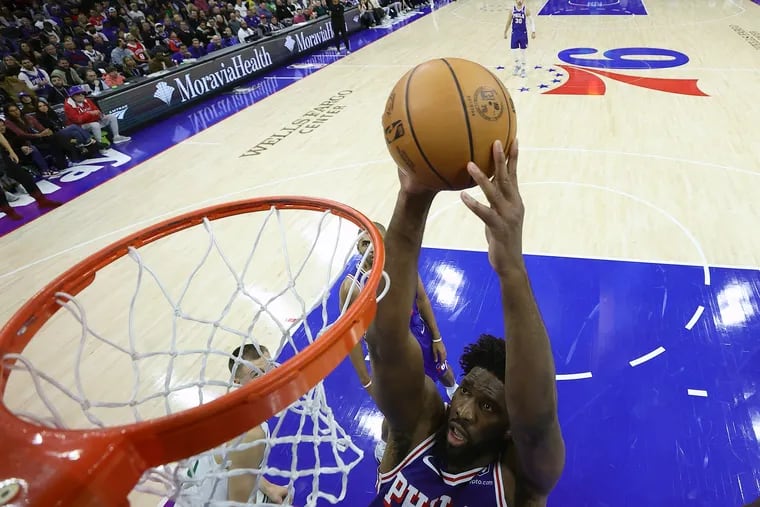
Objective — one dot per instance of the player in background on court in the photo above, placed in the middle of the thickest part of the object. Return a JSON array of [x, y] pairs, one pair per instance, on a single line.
[[518, 19], [235, 488], [422, 324], [499, 441]]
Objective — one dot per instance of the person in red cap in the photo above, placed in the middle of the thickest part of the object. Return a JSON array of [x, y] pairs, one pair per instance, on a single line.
[[84, 112]]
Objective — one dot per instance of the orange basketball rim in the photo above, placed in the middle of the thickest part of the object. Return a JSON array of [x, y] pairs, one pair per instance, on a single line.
[[46, 467]]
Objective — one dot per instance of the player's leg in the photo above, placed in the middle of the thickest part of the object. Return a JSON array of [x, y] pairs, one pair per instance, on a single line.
[[523, 45], [336, 32], [344, 34], [447, 377], [438, 372], [515, 54]]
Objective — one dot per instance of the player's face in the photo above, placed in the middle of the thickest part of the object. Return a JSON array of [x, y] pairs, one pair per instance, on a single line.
[[245, 374], [519, 3], [362, 245], [478, 421]]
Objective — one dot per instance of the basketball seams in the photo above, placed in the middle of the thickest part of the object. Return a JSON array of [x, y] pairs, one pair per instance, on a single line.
[[464, 107], [414, 136]]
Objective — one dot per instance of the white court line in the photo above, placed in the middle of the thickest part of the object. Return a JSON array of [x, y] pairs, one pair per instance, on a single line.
[[361, 164], [646, 357], [573, 376], [697, 392], [646, 155], [410, 65], [689, 235], [613, 23], [541, 253], [695, 317], [196, 205], [674, 220]]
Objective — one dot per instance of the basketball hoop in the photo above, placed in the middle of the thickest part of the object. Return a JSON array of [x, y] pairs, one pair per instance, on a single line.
[[47, 462]]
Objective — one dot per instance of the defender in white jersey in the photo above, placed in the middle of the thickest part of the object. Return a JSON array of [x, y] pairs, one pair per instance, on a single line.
[[518, 20], [499, 441], [208, 478]]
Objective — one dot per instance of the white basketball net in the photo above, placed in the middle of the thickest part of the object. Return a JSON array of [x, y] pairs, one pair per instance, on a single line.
[[168, 349]]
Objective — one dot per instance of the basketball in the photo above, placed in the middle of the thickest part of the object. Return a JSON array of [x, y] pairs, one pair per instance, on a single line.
[[443, 114]]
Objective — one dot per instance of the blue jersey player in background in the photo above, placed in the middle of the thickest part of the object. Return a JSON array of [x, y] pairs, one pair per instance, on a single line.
[[518, 20], [498, 442], [422, 325]]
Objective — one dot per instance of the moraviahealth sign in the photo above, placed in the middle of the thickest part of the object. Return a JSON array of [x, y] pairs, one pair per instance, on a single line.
[[149, 98]]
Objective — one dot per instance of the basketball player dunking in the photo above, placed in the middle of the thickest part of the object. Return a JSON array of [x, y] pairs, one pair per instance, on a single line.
[[517, 20], [205, 484], [499, 441]]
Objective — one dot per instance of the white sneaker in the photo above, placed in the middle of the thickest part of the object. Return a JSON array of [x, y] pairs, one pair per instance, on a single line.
[[522, 72], [516, 71], [379, 451], [121, 139], [11, 197]]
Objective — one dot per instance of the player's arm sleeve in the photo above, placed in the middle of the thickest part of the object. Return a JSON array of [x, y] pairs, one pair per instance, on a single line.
[[531, 22]]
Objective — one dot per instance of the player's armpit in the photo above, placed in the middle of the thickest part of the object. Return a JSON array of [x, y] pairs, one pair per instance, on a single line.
[[431, 413]]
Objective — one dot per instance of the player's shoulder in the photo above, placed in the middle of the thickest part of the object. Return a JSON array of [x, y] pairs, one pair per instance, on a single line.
[[350, 280], [260, 432]]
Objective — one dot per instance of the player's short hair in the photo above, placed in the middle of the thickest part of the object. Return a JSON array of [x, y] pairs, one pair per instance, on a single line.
[[380, 227], [489, 352], [248, 353]]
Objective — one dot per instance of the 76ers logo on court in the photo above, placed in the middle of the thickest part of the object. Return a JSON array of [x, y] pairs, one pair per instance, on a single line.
[[586, 71]]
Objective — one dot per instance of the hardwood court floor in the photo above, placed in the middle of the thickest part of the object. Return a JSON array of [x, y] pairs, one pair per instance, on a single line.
[[635, 174]]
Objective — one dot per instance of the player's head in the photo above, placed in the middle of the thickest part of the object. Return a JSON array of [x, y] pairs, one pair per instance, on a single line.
[[364, 242], [519, 3], [478, 420], [242, 372]]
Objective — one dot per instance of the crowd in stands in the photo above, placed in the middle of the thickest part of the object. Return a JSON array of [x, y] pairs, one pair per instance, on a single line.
[[56, 53]]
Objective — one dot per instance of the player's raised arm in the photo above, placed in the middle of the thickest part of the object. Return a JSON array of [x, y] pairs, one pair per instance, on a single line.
[[399, 385], [530, 383]]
